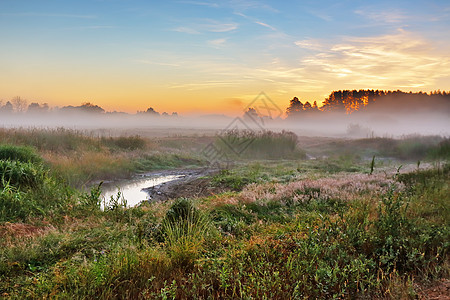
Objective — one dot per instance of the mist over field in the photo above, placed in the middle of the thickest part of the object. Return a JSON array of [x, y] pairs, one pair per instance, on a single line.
[[380, 123]]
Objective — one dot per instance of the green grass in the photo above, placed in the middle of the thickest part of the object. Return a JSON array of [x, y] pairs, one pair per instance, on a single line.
[[286, 229], [27, 189], [19, 153]]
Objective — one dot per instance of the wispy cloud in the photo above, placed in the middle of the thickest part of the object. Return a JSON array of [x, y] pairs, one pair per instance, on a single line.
[[192, 86], [322, 15], [47, 15], [255, 20], [207, 26], [382, 16], [237, 5], [217, 43], [312, 44], [401, 60], [266, 25], [188, 30], [220, 27]]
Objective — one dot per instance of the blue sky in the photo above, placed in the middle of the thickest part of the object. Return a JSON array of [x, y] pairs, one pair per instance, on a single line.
[[215, 56]]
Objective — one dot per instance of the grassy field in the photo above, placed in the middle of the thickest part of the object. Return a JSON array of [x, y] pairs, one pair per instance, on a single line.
[[364, 218]]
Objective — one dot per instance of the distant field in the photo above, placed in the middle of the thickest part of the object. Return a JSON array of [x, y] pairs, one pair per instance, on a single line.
[[292, 217]]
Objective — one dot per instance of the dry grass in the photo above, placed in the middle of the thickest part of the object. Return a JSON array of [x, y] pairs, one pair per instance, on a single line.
[[344, 187], [11, 233]]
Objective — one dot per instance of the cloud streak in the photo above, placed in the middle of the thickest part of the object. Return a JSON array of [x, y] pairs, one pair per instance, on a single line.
[[187, 30], [383, 16], [207, 26], [266, 25], [218, 43]]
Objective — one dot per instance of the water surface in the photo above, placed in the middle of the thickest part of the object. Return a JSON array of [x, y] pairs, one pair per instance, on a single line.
[[132, 190]]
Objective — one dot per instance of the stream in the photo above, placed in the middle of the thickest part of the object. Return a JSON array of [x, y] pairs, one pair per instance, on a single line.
[[133, 190]]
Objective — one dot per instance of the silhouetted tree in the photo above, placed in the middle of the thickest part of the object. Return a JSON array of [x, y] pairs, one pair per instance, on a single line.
[[91, 108], [295, 107], [151, 111], [19, 104], [314, 106], [307, 106], [7, 108], [251, 114], [85, 107], [366, 100], [33, 107]]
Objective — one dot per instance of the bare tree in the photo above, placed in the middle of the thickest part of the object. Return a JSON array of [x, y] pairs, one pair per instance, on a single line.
[[20, 105]]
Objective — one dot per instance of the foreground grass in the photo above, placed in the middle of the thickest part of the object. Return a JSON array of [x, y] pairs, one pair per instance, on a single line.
[[289, 229]]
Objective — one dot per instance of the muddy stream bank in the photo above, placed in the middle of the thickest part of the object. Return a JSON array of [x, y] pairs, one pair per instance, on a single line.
[[161, 185]]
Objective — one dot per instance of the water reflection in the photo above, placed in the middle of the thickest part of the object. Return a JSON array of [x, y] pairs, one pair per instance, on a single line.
[[131, 190]]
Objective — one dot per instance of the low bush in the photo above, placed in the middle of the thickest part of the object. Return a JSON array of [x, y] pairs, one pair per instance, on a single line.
[[19, 153]]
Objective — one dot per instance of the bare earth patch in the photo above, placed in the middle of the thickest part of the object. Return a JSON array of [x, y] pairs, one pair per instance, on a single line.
[[438, 291], [195, 183]]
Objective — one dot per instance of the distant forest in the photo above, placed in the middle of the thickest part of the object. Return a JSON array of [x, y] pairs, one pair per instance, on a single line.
[[19, 105], [341, 102], [360, 101]]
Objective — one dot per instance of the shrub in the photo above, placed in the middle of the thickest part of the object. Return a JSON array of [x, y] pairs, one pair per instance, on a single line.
[[19, 153]]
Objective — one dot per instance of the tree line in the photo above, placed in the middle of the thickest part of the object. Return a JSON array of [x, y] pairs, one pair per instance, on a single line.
[[351, 101], [342, 101], [20, 106]]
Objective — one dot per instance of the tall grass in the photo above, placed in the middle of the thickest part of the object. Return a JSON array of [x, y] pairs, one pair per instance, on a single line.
[[185, 230], [62, 140], [82, 157], [19, 174], [260, 145]]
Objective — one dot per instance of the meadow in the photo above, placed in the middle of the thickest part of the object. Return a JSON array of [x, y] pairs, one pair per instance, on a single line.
[[296, 217]]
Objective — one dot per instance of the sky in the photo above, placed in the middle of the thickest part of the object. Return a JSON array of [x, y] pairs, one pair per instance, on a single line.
[[216, 56]]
